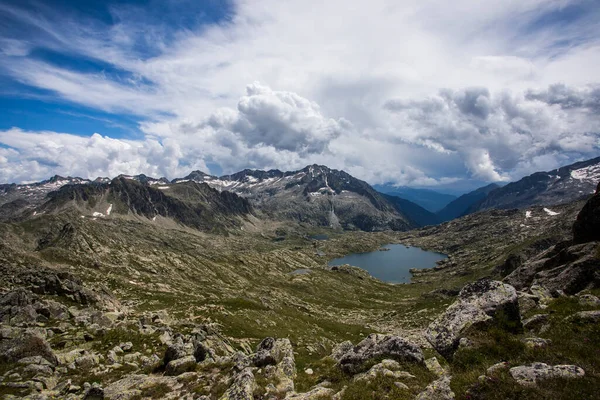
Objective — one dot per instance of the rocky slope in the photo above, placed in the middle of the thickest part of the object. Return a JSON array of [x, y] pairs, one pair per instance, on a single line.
[[121, 307], [190, 204], [545, 188]]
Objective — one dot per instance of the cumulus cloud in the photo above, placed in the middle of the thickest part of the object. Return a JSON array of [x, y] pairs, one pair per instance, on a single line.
[[32, 156], [280, 119], [498, 133], [469, 90], [566, 97]]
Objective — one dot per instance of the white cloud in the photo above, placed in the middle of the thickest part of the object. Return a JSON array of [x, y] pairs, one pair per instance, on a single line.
[[471, 85]]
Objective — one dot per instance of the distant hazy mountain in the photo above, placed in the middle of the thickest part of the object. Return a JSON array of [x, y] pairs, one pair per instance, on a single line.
[[417, 214], [428, 199], [464, 203], [561, 185]]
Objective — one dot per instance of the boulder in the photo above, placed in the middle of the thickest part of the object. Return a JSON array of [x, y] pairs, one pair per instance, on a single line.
[[587, 316], [478, 303], [589, 300], [587, 226], [387, 368], [438, 390], [341, 349], [536, 321], [277, 356], [175, 351], [378, 346], [94, 393], [180, 365], [434, 366], [315, 394], [242, 388], [532, 374], [272, 351], [28, 343]]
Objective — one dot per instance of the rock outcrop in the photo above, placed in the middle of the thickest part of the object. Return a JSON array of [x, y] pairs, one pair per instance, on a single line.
[[478, 303], [438, 390], [379, 346], [530, 375]]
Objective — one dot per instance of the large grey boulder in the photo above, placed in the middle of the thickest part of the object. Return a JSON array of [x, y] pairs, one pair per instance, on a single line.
[[28, 343], [438, 390], [271, 351], [277, 356], [242, 388], [478, 303], [180, 365], [379, 346], [532, 374]]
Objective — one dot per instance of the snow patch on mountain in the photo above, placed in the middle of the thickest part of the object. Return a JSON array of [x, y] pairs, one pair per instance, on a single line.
[[590, 173]]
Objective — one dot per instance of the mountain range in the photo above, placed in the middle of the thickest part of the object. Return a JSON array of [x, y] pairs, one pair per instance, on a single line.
[[314, 196]]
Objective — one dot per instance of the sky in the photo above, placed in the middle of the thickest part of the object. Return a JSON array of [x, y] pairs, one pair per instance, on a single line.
[[428, 93]]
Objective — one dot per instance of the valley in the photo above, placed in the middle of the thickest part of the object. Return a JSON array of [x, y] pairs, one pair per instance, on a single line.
[[135, 288]]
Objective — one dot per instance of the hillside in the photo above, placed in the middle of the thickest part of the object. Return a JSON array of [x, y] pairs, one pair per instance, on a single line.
[[561, 185], [463, 204]]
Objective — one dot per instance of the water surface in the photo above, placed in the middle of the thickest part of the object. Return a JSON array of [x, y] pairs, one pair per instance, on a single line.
[[321, 236], [394, 264]]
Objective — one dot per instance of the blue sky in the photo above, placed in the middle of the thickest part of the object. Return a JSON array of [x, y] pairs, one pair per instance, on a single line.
[[419, 93]]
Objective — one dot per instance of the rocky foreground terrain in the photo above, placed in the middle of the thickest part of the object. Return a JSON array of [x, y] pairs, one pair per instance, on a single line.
[[122, 307]]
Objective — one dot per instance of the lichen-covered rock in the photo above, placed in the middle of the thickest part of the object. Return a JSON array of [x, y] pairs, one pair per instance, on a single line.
[[387, 368], [478, 303], [438, 390], [378, 346], [180, 365], [536, 321], [315, 394], [530, 375], [271, 351], [175, 351], [589, 300], [242, 388], [341, 349], [94, 393], [277, 355], [434, 366], [587, 316], [28, 343]]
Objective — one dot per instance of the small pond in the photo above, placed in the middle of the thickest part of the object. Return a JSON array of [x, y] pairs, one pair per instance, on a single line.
[[391, 265], [321, 236]]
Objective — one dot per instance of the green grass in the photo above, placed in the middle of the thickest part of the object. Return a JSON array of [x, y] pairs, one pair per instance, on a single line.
[[573, 342], [157, 391]]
